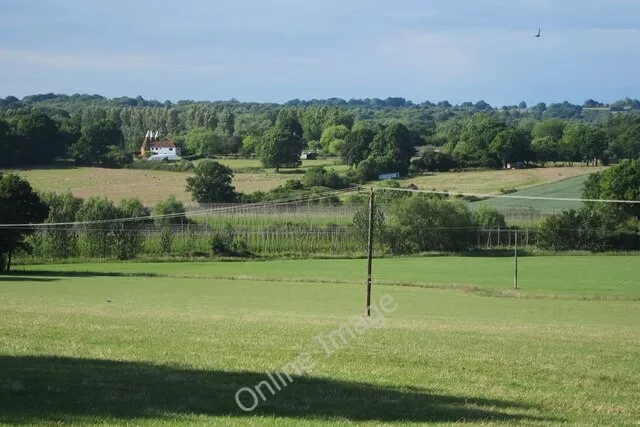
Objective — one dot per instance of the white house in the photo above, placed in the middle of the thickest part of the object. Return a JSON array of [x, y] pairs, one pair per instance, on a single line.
[[160, 149]]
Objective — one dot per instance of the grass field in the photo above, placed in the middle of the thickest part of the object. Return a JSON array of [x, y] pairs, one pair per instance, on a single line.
[[174, 350], [566, 188], [492, 181], [151, 186]]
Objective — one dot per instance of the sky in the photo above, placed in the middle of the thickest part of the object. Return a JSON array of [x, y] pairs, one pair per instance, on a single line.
[[278, 50]]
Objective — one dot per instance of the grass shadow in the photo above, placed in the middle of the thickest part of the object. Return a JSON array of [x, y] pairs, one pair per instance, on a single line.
[[14, 278], [46, 388], [291, 172], [49, 276], [59, 164]]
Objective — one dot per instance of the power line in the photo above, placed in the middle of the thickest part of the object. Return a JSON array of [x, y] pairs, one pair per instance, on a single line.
[[509, 196], [282, 202]]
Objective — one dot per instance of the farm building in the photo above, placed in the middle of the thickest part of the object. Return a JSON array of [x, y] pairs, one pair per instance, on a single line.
[[160, 149]]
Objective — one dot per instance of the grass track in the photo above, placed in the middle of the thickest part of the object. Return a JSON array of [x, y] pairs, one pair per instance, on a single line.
[[173, 351]]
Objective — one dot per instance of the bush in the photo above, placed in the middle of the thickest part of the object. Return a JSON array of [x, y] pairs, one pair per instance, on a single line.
[[361, 226], [318, 176], [116, 157], [371, 168], [572, 230], [422, 223], [434, 161], [226, 243], [172, 207], [179, 166], [490, 217]]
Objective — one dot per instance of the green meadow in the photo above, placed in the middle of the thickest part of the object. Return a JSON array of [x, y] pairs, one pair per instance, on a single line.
[[171, 343]]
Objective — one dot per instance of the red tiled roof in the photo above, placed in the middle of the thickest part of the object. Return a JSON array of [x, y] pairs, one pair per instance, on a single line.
[[162, 144]]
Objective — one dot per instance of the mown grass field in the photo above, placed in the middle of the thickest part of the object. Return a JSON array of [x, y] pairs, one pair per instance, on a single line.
[[174, 350], [152, 186]]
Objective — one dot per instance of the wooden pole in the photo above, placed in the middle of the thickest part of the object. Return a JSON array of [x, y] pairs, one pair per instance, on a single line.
[[515, 253], [370, 253]]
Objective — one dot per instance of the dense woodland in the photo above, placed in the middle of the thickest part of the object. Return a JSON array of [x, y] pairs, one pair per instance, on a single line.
[[373, 135]]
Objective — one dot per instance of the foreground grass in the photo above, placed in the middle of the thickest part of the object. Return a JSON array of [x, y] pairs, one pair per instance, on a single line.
[[579, 276], [167, 351]]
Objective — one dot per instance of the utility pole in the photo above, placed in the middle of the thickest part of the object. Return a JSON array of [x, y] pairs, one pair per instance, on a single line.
[[370, 252], [515, 269]]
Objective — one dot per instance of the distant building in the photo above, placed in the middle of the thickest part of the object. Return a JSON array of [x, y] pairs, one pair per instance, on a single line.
[[309, 156], [159, 149]]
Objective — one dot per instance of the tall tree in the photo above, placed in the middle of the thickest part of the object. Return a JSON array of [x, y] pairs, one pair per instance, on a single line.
[[281, 147], [19, 204], [584, 142], [357, 146], [128, 235], [95, 141], [510, 145], [478, 132], [545, 149], [97, 215], [61, 241], [553, 128], [623, 132], [333, 138], [395, 143], [207, 142], [620, 182], [211, 183]]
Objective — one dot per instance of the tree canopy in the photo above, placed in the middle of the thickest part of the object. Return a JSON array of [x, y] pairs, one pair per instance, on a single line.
[[19, 204], [211, 183]]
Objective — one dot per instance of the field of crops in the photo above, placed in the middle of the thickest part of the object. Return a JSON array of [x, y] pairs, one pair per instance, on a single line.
[[81, 345]]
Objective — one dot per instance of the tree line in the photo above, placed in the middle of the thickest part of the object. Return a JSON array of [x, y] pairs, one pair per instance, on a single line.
[[92, 130]]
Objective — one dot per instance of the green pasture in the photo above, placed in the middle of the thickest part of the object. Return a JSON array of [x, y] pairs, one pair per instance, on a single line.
[[80, 345], [570, 188]]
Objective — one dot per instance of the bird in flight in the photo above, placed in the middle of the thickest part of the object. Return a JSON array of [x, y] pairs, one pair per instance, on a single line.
[[537, 35]]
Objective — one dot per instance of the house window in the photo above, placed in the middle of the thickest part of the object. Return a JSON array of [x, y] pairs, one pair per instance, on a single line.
[[170, 149]]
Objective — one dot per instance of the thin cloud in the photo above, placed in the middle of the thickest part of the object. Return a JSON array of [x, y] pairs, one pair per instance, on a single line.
[[98, 61]]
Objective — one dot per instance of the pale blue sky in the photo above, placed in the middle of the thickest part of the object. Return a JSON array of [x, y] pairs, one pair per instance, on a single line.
[[277, 50]]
